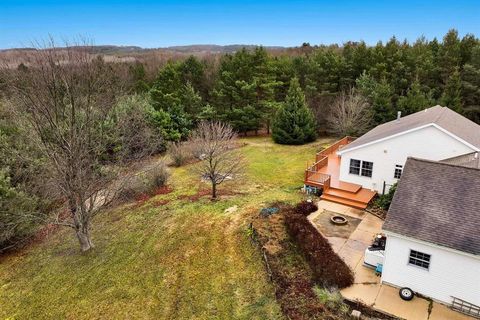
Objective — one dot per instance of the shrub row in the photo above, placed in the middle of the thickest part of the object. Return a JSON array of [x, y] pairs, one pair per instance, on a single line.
[[328, 268], [305, 208]]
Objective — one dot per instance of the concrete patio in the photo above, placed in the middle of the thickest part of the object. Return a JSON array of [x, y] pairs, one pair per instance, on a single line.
[[367, 287]]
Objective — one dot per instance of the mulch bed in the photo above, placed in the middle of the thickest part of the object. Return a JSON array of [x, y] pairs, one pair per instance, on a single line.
[[328, 268], [289, 272]]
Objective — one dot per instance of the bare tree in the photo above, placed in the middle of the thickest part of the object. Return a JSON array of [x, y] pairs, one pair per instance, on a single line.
[[68, 95], [213, 143], [350, 114]]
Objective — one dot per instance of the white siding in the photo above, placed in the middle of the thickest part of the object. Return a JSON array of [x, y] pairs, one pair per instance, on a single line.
[[450, 273], [427, 143]]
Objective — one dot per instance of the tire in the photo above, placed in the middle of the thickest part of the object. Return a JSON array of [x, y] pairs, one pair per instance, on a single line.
[[406, 294]]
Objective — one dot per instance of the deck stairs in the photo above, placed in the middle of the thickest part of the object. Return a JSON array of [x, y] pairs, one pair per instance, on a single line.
[[355, 196]]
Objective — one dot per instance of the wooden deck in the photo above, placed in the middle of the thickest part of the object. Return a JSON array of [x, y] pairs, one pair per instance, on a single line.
[[325, 173]]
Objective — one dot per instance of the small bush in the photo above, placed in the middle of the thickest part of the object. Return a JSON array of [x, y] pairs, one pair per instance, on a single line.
[[305, 208], [332, 300], [180, 153], [385, 200], [157, 177], [328, 268], [145, 183]]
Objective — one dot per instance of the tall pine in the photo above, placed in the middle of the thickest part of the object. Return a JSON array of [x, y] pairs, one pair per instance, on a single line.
[[452, 93], [471, 86], [415, 100], [294, 122]]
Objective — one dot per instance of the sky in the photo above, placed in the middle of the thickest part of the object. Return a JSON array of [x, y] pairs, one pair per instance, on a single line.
[[152, 24]]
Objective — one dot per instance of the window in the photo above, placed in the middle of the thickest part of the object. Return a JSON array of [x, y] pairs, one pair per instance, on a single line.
[[361, 168], [419, 259], [398, 171], [355, 166], [367, 169]]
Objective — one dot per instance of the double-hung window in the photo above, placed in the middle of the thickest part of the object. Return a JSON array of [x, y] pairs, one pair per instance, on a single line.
[[367, 169], [398, 171], [419, 259], [361, 168], [355, 166]]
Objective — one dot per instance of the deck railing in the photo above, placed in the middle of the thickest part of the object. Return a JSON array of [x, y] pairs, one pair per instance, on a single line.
[[465, 307], [334, 147], [317, 178], [321, 160]]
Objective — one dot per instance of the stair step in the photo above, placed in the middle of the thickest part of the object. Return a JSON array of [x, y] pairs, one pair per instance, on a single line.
[[346, 186], [340, 193], [348, 202]]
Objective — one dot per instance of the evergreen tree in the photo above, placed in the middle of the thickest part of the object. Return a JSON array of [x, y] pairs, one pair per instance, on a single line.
[[415, 100], [452, 94], [208, 113], [138, 74], [379, 95], [172, 94], [245, 82], [471, 86], [449, 55], [294, 122]]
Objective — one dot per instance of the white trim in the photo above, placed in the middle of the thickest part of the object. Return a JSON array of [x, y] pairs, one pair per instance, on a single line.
[[340, 152], [456, 137], [387, 233]]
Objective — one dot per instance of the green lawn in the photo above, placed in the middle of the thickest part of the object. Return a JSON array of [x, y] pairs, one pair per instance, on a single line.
[[178, 260]]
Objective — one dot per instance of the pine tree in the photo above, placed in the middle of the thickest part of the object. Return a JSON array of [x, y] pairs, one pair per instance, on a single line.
[[471, 86], [452, 93], [449, 54], [415, 100], [379, 95], [294, 122]]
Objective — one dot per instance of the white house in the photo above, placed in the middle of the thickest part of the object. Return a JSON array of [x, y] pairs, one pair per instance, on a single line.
[[375, 160], [433, 233]]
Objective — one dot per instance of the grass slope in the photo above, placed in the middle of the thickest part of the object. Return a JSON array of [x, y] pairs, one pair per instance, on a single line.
[[168, 258]]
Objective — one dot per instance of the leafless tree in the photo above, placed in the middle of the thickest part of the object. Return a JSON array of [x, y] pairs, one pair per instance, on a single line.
[[350, 114], [68, 95], [213, 143]]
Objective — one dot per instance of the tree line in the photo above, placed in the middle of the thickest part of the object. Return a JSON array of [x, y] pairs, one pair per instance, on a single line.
[[247, 88]]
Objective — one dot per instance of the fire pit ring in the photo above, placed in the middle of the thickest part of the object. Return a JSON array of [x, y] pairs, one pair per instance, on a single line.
[[339, 220]]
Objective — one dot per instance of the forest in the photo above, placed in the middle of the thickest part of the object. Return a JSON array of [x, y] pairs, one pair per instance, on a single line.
[[69, 116]]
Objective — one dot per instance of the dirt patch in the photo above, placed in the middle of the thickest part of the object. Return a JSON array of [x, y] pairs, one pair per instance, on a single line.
[[195, 197], [328, 229], [160, 203], [163, 190]]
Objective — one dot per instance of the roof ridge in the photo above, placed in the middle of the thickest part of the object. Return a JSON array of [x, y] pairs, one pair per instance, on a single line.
[[443, 163], [441, 113]]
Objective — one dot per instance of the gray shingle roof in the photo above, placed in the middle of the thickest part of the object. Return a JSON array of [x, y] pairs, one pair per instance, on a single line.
[[449, 120], [437, 203], [471, 160]]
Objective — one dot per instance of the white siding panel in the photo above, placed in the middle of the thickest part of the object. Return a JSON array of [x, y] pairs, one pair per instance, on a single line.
[[427, 143], [450, 273]]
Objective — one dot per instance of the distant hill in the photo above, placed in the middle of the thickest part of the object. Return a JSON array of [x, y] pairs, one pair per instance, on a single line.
[[213, 48], [196, 48]]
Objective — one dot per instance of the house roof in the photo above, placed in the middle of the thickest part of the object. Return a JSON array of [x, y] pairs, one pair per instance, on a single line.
[[445, 118], [438, 203], [471, 160]]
